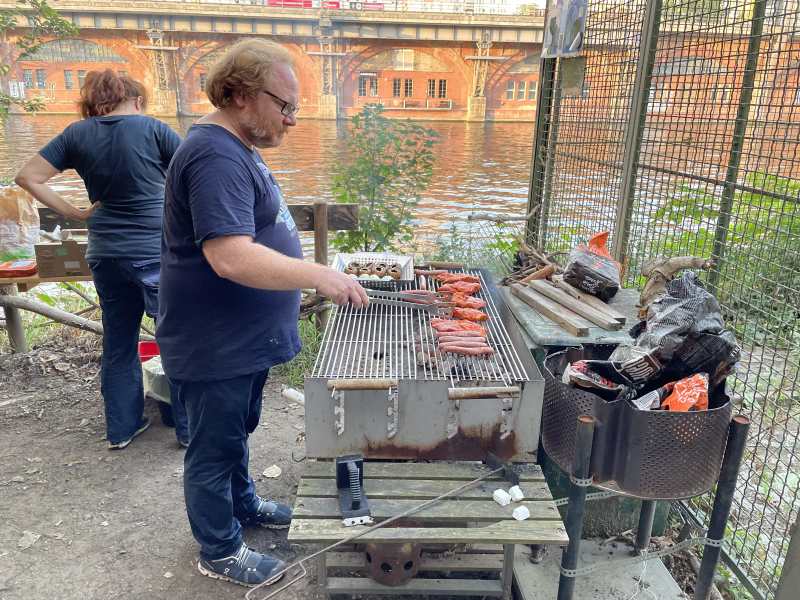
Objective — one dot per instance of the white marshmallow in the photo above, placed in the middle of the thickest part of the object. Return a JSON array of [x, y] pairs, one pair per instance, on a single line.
[[521, 513], [516, 493], [501, 497]]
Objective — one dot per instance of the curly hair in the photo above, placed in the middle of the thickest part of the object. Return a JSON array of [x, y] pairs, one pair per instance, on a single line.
[[247, 67], [104, 91]]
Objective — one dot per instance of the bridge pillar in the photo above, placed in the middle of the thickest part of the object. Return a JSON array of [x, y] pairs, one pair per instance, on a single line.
[[476, 108], [328, 106]]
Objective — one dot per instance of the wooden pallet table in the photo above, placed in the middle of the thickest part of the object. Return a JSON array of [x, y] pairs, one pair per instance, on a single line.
[[484, 532]]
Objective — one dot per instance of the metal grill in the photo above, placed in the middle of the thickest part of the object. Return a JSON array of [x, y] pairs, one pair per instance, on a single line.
[[380, 343]]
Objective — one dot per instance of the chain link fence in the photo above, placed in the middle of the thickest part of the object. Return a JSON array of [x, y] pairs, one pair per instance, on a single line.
[[678, 130]]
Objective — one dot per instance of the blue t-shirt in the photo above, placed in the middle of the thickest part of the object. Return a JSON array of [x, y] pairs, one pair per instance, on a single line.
[[123, 162], [210, 328]]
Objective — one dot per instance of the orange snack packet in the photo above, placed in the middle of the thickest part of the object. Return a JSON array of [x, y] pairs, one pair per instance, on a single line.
[[688, 393]]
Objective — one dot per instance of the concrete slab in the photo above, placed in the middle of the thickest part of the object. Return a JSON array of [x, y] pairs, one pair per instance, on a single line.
[[540, 582]]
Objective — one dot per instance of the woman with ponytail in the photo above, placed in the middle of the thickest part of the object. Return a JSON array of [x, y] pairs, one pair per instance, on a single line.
[[122, 157]]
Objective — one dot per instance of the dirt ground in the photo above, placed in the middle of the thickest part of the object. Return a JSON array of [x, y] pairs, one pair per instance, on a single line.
[[112, 524], [80, 521]]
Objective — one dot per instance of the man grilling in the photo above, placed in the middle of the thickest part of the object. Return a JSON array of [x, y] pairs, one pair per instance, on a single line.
[[231, 277]]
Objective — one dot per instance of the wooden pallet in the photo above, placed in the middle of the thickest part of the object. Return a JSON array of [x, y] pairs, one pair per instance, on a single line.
[[485, 533]]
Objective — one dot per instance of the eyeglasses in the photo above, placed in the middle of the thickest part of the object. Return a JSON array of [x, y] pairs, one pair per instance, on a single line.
[[288, 108]]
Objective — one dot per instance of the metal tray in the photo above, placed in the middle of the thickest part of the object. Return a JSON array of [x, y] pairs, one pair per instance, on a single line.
[[406, 263]]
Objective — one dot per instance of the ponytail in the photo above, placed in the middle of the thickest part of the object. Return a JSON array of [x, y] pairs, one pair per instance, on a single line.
[[104, 91]]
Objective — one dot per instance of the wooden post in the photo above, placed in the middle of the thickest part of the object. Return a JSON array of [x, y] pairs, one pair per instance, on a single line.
[[16, 332], [321, 249]]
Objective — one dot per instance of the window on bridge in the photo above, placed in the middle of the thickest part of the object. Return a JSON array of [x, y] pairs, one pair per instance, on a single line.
[[521, 89], [69, 80], [396, 87], [431, 88], [27, 77], [41, 79], [373, 87], [362, 86], [510, 90], [443, 88], [81, 77], [202, 78], [409, 88], [404, 60]]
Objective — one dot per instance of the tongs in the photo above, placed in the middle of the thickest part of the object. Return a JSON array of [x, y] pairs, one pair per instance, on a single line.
[[431, 302]]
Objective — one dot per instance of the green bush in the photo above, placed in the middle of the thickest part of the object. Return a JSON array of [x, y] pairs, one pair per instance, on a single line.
[[392, 164]]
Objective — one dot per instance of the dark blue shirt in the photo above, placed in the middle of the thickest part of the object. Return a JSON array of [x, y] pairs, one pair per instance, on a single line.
[[210, 328], [123, 162]]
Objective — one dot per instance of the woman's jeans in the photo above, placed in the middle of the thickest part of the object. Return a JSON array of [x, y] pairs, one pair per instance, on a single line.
[[127, 289]]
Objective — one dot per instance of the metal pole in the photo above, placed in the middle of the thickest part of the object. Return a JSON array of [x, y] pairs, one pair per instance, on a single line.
[[645, 528], [737, 144], [577, 501], [635, 129], [551, 157], [723, 499], [540, 145]]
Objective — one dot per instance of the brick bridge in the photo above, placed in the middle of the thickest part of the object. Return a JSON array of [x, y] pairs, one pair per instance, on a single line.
[[435, 65]]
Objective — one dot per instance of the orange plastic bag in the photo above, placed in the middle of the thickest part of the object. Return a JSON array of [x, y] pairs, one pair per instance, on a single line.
[[688, 393]]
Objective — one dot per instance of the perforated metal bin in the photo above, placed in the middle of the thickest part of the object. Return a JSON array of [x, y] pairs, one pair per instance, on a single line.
[[653, 455]]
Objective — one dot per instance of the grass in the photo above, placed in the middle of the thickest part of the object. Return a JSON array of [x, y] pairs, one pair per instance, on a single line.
[[300, 367]]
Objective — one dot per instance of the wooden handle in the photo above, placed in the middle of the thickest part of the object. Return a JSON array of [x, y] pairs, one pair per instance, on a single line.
[[362, 384], [471, 393]]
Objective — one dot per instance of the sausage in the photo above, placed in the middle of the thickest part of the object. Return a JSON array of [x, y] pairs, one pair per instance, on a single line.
[[463, 341], [453, 349], [428, 272], [461, 334]]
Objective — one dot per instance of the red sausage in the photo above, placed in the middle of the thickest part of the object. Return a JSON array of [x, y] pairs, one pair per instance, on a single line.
[[429, 272]]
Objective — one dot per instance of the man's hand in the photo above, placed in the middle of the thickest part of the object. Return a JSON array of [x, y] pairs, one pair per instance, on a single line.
[[340, 289], [82, 214]]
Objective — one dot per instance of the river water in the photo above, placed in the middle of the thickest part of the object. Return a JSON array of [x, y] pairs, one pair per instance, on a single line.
[[485, 166]]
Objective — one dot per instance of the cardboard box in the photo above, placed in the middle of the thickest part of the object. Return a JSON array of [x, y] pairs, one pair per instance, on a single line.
[[62, 259]]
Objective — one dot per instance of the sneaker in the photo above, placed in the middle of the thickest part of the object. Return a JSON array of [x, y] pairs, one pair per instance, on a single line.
[[246, 567], [182, 444], [271, 515], [144, 424]]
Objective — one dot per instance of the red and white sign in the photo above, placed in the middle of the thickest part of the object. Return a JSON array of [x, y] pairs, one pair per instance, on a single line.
[[291, 3], [327, 4]]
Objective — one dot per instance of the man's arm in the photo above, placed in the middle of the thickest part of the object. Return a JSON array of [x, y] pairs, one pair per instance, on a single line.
[[238, 258]]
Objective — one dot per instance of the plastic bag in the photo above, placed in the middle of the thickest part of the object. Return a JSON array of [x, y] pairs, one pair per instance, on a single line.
[[688, 394], [593, 270], [19, 224], [581, 374]]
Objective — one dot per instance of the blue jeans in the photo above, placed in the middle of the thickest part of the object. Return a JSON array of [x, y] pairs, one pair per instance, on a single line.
[[217, 486], [127, 289]]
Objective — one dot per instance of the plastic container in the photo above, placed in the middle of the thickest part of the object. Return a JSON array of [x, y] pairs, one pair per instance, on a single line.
[[18, 268], [148, 350], [653, 455]]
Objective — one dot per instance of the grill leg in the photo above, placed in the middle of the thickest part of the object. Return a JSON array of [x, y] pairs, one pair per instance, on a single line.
[[723, 499], [645, 528], [577, 502], [508, 570]]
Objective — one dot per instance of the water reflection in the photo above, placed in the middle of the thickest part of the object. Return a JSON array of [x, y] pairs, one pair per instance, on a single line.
[[482, 165]]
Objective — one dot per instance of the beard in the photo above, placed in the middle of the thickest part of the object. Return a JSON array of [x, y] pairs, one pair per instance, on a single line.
[[262, 132]]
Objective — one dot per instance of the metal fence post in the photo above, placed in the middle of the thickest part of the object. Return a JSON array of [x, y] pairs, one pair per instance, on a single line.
[[577, 502], [737, 144], [544, 106], [723, 500], [552, 127], [635, 129]]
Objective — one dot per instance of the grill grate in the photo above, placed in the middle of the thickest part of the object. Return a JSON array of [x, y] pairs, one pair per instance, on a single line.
[[382, 343]]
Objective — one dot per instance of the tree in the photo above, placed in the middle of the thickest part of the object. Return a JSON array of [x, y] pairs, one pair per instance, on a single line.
[[43, 22], [392, 164]]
